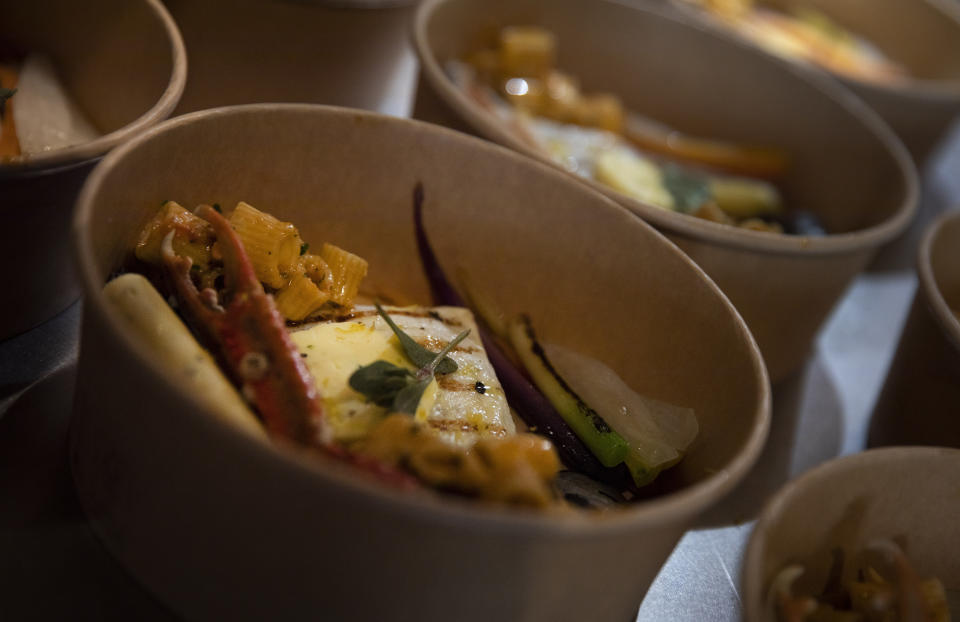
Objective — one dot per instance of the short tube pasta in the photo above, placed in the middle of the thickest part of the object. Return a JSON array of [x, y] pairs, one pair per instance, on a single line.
[[300, 298], [272, 245], [193, 236], [316, 270], [347, 270], [305, 285]]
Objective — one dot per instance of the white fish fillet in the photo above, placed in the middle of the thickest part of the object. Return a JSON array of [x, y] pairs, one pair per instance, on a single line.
[[461, 407]]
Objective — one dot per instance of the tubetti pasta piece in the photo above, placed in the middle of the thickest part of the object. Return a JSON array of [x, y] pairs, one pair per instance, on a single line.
[[272, 245], [300, 298], [193, 236], [347, 271]]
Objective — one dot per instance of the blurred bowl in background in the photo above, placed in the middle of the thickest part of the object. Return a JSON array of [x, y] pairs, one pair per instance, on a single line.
[[124, 64], [923, 36], [920, 400], [220, 526], [345, 53], [846, 165], [904, 494]]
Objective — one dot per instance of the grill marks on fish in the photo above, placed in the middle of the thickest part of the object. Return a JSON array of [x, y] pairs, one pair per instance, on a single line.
[[406, 312], [459, 425], [435, 344], [467, 403], [453, 384]]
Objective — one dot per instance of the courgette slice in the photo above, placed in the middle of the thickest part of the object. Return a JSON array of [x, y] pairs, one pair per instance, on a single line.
[[616, 423], [606, 444]]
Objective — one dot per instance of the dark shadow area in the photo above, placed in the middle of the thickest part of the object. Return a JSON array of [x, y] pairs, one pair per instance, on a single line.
[[806, 429], [920, 394], [52, 567], [38, 352]]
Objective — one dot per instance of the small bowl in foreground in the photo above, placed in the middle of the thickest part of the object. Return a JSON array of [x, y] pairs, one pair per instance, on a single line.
[[908, 494], [124, 64], [846, 164], [219, 525]]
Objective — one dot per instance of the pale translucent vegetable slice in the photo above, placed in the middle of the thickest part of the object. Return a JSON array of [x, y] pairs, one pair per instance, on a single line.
[[658, 432]]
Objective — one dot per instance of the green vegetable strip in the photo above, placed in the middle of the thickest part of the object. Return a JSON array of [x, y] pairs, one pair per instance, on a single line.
[[607, 445], [641, 473]]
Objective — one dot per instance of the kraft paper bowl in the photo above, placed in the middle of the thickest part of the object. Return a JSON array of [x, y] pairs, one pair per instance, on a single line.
[[338, 52], [905, 494], [220, 526], [124, 64], [847, 166], [920, 401], [922, 35]]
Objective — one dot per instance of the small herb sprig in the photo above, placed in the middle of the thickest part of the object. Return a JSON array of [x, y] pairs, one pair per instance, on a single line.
[[689, 190], [398, 388]]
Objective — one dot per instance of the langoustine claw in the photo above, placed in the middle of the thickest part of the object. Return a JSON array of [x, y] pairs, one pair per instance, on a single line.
[[251, 339]]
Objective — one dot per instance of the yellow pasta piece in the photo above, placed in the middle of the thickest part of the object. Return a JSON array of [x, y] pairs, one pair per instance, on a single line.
[[347, 270], [316, 270], [272, 245], [527, 51], [602, 110], [300, 298], [515, 470], [193, 236]]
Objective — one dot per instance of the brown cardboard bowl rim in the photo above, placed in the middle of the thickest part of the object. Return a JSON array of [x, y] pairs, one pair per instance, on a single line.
[[949, 323], [687, 501], [753, 588], [927, 89], [683, 224], [57, 159]]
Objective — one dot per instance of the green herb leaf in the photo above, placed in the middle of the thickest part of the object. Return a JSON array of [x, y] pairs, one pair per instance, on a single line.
[[689, 190], [398, 388], [381, 381], [441, 357], [304, 248], [417, 354], [408, 397]]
